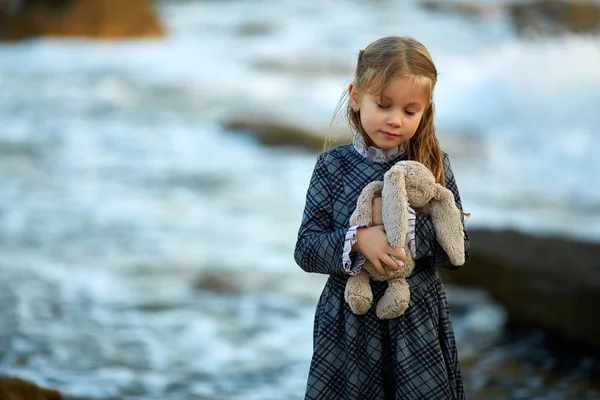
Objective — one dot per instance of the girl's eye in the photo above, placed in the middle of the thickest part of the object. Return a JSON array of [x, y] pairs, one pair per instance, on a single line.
[[411, 113], [382, 106]]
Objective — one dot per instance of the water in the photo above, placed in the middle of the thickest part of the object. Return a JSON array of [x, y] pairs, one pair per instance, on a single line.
[[146, 251]]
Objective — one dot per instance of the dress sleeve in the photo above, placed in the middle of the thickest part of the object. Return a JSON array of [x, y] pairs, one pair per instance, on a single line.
[[352, 261], [319, 247], [425, 237]]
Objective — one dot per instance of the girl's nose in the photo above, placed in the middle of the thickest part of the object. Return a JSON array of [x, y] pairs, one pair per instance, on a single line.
[[395, 119]]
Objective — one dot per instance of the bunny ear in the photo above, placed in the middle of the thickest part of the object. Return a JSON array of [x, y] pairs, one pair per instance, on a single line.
[[448, 225], [394, 205], [363, 214]]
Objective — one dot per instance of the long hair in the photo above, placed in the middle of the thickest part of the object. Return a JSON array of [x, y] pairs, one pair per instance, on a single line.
[[378, 65]]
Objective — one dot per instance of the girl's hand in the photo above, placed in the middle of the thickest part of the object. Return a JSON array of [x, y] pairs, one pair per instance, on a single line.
[[377, 219], [373, 244]]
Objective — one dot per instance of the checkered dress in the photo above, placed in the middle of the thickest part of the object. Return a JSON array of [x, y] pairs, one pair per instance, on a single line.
[[362, 357]]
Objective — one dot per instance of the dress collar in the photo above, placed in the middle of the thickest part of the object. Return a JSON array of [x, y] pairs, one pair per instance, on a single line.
[[376, 154]]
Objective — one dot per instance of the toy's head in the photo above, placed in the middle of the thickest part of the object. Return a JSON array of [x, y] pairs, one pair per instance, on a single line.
[[420, 184], [411, 183]]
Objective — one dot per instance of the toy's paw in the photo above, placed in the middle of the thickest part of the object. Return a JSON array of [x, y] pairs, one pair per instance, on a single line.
[[360, 304], [391, 306]]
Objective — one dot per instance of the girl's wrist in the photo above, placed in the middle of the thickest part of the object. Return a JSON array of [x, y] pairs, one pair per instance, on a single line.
[[356, 246]]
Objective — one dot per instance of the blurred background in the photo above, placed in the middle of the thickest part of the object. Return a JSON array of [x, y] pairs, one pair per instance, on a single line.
[[154, 158]]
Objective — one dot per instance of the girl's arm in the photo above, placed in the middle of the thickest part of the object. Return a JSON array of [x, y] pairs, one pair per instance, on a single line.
[[319, 247], [425, 238]]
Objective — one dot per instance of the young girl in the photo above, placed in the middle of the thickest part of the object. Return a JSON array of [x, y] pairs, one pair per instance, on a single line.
[[390, 108]]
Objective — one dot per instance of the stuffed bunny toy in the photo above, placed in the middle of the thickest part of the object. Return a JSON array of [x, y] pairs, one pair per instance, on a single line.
[[407, 183]]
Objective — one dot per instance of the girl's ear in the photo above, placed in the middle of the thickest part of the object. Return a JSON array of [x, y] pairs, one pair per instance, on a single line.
[[354, 97]]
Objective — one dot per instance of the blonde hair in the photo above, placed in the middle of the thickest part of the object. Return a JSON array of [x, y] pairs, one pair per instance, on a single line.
[[378, 65]]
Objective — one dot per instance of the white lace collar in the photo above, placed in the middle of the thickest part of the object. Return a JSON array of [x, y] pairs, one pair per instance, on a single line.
[[375, 154]]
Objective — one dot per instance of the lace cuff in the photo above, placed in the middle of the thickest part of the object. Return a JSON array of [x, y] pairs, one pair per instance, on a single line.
[[352, 267], [410, 233]]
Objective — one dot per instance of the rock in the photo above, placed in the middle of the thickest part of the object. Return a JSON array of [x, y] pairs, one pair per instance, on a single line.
[[304, 68], [556, 17], [543, 282], [252, 29], [468, 9], [19, 389], [107, 19], [541, 17], [273, 133], [218, 283]]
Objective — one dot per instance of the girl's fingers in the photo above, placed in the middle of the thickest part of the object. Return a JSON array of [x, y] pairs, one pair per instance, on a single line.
[[390, 262], [378, 267], [400, 254]]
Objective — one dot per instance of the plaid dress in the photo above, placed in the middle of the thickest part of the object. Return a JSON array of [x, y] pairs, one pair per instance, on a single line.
[[362, 357]]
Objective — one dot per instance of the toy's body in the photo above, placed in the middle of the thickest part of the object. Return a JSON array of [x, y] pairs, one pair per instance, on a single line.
[[407, 183]]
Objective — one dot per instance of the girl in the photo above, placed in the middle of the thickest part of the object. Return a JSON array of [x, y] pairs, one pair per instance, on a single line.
[[390, 108]]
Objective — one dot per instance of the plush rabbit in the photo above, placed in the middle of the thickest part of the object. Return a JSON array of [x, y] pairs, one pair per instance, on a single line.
[[406, 183]]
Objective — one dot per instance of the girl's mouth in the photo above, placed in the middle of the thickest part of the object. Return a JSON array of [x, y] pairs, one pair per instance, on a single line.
[[389, 135]]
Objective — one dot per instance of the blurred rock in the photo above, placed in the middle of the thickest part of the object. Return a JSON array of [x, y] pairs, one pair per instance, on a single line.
[[543, 282], [466, 8], [556, 17], [541, 17], [106, 19], [19, 389], [252, 29], [274, 133], [218, 282], [305, 68]]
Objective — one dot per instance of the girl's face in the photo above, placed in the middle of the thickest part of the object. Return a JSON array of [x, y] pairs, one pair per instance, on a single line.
[[393, 121]]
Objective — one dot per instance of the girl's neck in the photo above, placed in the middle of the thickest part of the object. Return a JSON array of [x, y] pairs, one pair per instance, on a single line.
[[376, 154]]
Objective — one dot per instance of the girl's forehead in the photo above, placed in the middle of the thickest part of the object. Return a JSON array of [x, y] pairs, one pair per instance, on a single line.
[[404, 88]]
